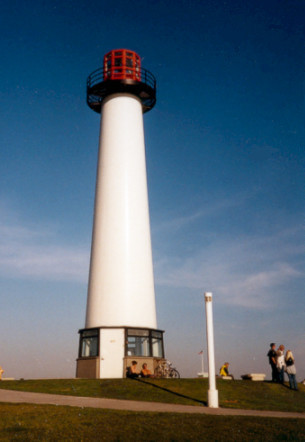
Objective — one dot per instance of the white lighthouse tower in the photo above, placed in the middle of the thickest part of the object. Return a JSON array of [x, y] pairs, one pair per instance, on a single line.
[[121, 323]]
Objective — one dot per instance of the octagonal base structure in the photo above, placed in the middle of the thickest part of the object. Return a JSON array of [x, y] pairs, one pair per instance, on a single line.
[[106, 352]]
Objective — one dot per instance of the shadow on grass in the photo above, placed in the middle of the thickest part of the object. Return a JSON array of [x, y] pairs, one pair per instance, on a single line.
[[288, 387], [170, 391], [279, 383]]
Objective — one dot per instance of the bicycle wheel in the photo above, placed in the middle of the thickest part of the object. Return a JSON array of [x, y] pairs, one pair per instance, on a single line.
[[174, 374], [158, 372]]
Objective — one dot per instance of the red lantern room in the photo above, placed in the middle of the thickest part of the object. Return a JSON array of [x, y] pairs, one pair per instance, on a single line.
[[122, 64], [121, 73]]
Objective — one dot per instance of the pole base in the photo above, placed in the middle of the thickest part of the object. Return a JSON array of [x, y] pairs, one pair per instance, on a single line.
[[213, 399]]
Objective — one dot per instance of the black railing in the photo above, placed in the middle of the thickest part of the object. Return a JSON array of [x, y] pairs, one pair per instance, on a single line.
[[99, 86], [99, 75]]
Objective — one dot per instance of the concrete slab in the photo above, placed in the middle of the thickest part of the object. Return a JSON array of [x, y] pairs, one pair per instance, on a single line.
[[254, 377]]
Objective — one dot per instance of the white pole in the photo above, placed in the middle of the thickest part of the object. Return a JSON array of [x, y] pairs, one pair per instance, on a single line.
[[212, 393], [202, 365]]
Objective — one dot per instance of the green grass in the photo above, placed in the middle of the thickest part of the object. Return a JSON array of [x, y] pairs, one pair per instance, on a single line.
[[28, 422], [237, 394], [25, 422]]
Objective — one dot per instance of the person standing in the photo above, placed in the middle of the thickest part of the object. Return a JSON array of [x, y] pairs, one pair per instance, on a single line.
[[291, 370], [280, 363], [272, 361]]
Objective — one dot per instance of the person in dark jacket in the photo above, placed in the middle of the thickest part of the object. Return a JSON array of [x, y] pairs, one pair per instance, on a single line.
[[272, 361]]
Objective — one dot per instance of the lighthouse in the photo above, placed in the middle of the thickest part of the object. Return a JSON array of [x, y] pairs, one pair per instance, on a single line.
[[121, 324]]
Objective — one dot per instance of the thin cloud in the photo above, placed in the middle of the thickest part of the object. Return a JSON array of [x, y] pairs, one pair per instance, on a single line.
[[260, 288], [250, 272], [34, 252], [178, 223]]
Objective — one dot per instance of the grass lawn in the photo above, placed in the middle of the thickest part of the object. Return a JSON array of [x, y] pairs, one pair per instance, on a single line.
[[27, 422], [232, 394]]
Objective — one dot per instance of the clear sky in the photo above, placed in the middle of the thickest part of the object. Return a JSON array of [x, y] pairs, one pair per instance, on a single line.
[[225, 165]]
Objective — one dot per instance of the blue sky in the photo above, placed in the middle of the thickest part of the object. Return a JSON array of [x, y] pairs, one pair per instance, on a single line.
[[225, 165]]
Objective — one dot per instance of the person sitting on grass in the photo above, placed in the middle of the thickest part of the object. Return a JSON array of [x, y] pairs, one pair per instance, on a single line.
[[224, 371], [145, 372], [132, 370]]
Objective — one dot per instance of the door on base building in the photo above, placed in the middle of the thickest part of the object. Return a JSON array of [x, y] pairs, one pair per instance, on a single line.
[[111, 352]]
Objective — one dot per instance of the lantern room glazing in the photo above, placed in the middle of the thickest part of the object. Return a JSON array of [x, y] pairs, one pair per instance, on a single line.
[[122, 64]]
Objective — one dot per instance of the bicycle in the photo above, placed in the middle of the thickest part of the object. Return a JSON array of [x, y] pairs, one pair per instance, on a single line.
[[164, 369]]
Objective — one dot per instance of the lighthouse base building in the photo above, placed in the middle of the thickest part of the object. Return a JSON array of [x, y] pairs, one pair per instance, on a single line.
[[121, 324], [107, 352]]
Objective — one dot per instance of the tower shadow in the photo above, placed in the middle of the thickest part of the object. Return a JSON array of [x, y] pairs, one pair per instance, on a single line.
[[171, 392]]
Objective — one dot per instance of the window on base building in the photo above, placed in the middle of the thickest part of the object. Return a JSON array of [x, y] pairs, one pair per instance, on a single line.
[[143, 342], [89, 343]]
